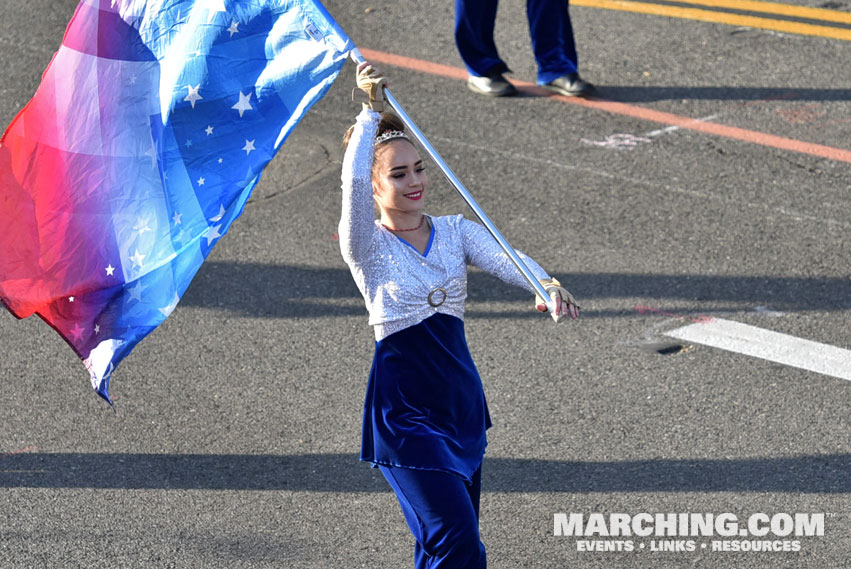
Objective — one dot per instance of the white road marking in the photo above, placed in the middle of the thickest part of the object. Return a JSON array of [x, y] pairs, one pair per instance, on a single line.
[[766, 311], [672, 128], [619, 140], [768, 345]]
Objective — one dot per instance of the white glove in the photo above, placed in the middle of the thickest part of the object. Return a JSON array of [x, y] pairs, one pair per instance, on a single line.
[[371, 82], [564, 302]]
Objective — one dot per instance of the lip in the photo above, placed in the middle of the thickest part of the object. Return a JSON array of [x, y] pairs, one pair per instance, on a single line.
[[414, 195]]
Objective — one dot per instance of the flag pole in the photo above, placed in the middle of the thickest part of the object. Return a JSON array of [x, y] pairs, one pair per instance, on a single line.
[[414, 130]]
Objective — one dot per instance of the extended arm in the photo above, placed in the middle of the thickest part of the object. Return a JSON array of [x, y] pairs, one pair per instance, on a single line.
[[482, 251]]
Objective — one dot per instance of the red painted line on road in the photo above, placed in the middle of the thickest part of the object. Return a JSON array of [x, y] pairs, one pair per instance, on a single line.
[[21, 451], [643, 310], [732, 132], [415, 64]]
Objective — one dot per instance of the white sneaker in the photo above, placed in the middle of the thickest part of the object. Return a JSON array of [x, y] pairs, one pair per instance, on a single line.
[[494, 86]]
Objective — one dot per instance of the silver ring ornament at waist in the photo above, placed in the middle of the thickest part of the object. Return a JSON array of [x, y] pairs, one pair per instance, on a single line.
[[437, 297]]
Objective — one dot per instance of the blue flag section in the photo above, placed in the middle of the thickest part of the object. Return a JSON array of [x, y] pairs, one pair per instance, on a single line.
[[141, 146]]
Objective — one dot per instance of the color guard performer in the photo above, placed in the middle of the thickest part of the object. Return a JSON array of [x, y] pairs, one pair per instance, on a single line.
[[425, 413]]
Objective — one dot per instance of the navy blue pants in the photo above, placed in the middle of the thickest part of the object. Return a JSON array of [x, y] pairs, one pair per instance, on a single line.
[[549, 26], [442, 511]]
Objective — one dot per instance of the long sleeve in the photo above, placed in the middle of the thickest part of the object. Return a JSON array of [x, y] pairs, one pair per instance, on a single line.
[[483, 251], [357, 227]]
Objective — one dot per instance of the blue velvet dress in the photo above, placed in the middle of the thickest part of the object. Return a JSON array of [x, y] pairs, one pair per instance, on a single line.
[[425, 407]]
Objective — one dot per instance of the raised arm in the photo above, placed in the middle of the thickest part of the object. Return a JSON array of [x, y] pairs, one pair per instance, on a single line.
[[356, 221]]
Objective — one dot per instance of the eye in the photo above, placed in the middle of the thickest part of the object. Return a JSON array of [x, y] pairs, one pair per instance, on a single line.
[[398, 175], [420, 169]]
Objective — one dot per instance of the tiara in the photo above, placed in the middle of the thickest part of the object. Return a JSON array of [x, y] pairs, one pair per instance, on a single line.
[[390, 135]]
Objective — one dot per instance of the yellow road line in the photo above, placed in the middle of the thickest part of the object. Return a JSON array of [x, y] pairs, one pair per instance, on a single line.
[[718, 17], [777, 9]]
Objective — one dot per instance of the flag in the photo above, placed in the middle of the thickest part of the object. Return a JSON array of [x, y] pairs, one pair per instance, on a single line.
[[140, 147]]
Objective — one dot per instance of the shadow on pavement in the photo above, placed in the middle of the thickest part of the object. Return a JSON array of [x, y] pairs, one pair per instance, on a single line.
[[817, 474], [288, 291]]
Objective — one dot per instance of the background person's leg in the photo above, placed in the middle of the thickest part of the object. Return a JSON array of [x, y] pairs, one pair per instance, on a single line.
[[474, 25], [552, 38]]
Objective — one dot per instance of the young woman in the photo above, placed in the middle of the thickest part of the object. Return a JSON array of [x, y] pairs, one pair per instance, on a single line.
[[425, 414]]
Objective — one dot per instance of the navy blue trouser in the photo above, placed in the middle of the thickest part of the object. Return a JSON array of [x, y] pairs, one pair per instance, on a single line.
[[549, 26], [442, 511]]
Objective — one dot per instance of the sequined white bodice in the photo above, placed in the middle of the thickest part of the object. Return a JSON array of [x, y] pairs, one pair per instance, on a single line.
[[401, 286]]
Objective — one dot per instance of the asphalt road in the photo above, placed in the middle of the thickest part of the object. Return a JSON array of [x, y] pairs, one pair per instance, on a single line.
[[237, 425]]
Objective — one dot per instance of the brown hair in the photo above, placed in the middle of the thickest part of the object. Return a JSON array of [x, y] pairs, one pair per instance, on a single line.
[[388, 121]]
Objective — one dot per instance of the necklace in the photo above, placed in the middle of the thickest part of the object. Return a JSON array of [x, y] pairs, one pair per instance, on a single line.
[[422, 219]]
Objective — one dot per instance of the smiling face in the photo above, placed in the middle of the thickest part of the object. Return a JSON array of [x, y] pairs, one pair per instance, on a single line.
[[399, 180]]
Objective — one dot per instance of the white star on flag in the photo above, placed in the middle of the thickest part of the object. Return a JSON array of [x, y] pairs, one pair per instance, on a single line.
[[212, 233], [97, 328], [208, 130], [243, 104], [70, 299], [177, 218], [234, 28], [220, 215], [201, 181], [110, 270], [193, 94], [142, 225], [137, 259], [249, 146], [136, 292]]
